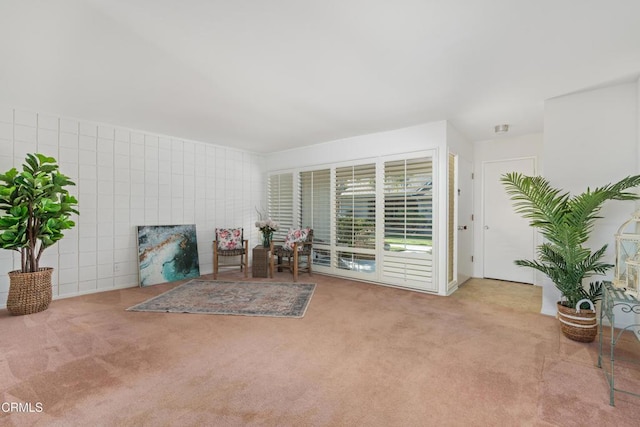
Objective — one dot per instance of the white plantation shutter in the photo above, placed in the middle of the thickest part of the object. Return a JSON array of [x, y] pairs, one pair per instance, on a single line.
[[281, 202], [355, 217], [408, 222], [315, 203], [371, 221], [315, 211]]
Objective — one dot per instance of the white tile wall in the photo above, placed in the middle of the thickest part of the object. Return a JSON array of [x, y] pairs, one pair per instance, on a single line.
[[127, 178], [6, 114]]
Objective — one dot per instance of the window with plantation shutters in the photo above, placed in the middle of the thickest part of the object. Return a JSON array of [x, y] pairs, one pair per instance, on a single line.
[[315, 211], [408, 221], [355, 218], [372, 221], [280, 203]]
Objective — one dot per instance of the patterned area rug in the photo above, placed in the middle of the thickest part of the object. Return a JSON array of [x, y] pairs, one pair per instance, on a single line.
[[239, 298]]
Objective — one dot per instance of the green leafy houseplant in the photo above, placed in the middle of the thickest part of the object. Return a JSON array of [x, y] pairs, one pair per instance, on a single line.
[[566, 222], [36, 208]]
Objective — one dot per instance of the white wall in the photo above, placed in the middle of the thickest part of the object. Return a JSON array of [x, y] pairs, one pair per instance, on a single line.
[[458, 144], [501, 148], [127, 178], [591, 139], [406, 140]]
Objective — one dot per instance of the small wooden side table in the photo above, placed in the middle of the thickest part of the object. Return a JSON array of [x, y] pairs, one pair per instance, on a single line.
[[260, 263]]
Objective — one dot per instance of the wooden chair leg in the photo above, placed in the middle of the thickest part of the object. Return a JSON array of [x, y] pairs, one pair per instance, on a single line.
[[246, 259], [215, 264], [271, 256], [246, 263]]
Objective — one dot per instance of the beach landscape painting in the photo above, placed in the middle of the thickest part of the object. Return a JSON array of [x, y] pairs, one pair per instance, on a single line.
[[167, 253]]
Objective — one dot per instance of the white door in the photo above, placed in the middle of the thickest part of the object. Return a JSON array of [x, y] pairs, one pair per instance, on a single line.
[[507, 236]]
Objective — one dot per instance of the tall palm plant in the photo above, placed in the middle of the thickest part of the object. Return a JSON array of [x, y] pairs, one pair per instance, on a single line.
[[566, 222]]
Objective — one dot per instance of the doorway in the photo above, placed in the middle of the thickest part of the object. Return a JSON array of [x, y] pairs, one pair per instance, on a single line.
[[506, 235]]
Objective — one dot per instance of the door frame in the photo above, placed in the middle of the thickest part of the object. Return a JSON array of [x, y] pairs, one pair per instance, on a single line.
[[483, 206], [464, 182]]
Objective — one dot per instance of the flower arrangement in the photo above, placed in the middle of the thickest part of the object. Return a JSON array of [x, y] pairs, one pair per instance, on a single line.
[[267, 227]]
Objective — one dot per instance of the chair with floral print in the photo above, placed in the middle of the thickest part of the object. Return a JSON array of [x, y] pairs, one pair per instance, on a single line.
[[230, 242], [295, 254]]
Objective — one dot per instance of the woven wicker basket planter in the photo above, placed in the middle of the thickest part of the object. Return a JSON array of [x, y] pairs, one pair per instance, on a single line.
[[29, 292], [578, 325]]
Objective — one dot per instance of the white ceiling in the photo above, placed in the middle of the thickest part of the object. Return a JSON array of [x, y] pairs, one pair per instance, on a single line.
[[267, 75]]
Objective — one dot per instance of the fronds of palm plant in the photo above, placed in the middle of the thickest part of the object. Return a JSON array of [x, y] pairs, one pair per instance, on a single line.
[[566, 222]]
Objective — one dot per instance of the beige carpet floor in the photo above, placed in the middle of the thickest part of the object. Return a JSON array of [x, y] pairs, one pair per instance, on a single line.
[[363, 355]]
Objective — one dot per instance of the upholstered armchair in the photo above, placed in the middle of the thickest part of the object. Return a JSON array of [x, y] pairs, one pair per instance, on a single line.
[[294, 254], [230, 242]]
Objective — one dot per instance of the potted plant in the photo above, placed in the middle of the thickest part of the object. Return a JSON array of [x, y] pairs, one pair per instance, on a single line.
[[566, 222], [36, 208]]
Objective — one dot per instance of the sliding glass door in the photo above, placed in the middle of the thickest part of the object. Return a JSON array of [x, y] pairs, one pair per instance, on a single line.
[[372, 221]]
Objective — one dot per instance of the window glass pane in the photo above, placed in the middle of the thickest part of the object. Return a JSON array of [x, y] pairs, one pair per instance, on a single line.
[[408, 205], [321, 257], [363, 263], [356, 206]]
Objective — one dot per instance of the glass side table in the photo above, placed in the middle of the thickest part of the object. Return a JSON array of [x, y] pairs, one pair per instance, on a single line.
[[613, 297]]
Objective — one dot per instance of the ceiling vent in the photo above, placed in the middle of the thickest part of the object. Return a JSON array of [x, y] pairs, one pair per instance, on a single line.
[[499, 129]]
